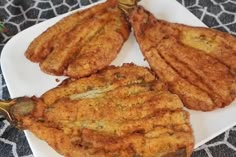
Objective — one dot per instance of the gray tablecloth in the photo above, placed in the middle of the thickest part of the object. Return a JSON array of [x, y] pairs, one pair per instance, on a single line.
[[20, 14]]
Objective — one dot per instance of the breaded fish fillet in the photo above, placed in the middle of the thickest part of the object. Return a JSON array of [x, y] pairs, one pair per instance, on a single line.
[[118, 112], [198, 64], [82, 43]]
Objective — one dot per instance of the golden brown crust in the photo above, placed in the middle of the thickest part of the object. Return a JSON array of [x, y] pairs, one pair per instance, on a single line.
[[103, 48], [78, 46], [197, 63], [111, 77], [120, 111], [43, 44]]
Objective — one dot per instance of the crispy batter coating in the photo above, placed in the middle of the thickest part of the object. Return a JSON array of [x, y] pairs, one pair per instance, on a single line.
[[118, 112], [198, 64], [78, 46]]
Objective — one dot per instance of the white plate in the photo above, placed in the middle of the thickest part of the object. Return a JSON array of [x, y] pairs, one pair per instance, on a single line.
[[25, 78]]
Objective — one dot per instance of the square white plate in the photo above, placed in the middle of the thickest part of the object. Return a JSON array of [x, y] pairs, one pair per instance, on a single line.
[[25, 78]]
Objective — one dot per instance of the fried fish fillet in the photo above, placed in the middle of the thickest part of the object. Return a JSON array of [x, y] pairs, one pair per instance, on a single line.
[[198, 64], [81, 43], [118, 112]]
